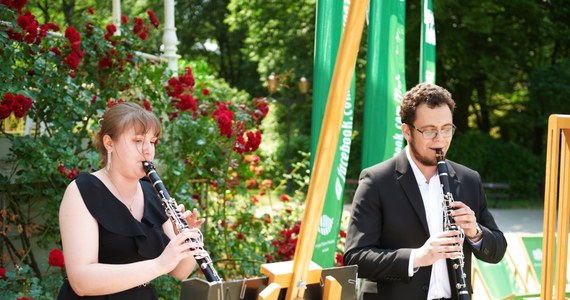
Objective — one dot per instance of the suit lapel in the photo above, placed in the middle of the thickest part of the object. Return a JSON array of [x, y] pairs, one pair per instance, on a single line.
[[407, 180]]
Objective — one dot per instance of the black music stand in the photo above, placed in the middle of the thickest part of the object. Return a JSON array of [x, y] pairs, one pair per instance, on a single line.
[[249, 288]]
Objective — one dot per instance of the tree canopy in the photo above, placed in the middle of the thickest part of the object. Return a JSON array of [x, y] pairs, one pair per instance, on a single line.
[[505, 62]]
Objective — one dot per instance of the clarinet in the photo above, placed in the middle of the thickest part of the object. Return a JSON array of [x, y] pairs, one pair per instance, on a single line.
[[459, 278], [203, 258]]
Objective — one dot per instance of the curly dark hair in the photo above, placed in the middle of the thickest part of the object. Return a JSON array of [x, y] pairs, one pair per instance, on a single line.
[[430, 94]]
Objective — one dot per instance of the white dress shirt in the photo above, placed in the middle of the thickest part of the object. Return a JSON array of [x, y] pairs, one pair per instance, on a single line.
[[432, 196]]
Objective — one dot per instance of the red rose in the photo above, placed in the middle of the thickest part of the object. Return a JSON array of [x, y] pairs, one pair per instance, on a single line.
[[62, 169], [47, 27], [111, 28], [73, 36], [138, 27], [2, 273], [187, 102], [55, 50], [146, 105], [153, 19], [15, 5], [250, 183], [55, 258], [268, 257], [339, 259], [72, 174], [4, 112], [224, 117]]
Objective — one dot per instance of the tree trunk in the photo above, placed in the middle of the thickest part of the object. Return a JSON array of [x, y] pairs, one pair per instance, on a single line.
[[462, 97], [68, 7], [484, 121]]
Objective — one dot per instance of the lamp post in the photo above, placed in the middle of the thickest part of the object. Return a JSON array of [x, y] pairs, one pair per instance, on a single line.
[[273, 85]]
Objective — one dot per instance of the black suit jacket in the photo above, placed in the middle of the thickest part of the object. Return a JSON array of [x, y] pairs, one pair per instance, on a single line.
[[388, 220]]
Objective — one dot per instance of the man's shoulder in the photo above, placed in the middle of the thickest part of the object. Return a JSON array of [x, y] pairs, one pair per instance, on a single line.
[[382, 168]]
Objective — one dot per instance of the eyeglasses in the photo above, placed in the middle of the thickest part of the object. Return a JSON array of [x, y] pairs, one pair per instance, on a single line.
[[445, 132]]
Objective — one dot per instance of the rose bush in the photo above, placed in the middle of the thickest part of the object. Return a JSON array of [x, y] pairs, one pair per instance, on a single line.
[[62, 81]]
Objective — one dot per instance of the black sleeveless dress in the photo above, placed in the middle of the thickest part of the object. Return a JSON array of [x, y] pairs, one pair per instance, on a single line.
[[122, 238]]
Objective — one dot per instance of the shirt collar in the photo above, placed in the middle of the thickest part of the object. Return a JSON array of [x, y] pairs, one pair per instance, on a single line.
[[420, 178]]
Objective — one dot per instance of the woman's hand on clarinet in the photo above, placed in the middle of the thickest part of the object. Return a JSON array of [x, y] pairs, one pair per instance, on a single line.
[[191, 217], [184, 245], [464, 217]]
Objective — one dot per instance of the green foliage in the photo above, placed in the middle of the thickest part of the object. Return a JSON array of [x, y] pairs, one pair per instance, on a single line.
[[22, 283], [497, 161]]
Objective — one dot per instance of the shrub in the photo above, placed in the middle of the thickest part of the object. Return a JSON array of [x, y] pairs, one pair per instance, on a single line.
[[498, 161]]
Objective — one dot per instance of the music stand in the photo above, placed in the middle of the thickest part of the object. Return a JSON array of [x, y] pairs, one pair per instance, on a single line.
[[249, 288]]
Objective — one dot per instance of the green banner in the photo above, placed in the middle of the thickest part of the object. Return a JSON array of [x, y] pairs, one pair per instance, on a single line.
[[427, 44], [385, 81], [330, 20]]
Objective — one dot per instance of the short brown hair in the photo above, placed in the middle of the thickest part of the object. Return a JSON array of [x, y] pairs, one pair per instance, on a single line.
[[430, 94], [123, 116]]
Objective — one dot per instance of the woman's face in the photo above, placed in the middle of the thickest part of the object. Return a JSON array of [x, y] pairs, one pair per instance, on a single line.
[[131, 149]]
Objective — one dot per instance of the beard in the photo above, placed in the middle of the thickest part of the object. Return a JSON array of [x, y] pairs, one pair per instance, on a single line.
[[428, 161]]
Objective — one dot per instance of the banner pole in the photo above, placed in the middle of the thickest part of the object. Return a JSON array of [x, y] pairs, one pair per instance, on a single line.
[[330, 129]]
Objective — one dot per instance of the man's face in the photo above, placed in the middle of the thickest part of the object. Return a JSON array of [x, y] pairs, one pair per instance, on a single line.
[[422, 150]]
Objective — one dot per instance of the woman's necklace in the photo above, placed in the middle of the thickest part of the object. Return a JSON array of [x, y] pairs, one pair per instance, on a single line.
[[130, 206]]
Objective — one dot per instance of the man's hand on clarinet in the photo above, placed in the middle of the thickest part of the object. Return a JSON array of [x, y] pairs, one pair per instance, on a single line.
[[465, 218]]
